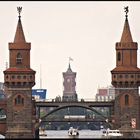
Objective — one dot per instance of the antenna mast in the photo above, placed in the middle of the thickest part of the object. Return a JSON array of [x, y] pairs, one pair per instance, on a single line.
[[6, 64], [40, 78]]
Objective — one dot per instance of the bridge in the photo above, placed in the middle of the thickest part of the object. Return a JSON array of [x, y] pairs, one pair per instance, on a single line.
[[87, 104], [81, 103], [49, 103]]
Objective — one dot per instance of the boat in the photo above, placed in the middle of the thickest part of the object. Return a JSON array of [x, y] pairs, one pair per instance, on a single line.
[[73, 132], [111, 133], [42, 132]]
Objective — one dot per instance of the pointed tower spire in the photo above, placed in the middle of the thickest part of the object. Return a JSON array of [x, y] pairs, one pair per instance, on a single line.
[[126, 35], [19, 36], [69, 68]]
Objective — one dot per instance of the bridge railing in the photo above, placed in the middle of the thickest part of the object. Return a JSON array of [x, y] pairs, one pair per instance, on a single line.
[[79, 100]]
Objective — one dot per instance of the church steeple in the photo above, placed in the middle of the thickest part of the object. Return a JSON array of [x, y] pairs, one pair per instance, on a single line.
[[19, 36], [126, 35]]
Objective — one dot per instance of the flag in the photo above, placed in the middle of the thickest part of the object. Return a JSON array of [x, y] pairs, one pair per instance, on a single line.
[[70, 59]]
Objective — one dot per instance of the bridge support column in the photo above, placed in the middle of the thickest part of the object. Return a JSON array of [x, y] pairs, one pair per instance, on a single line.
[[37, 133]]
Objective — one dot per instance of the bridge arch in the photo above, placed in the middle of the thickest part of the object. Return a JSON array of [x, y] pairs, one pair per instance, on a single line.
[[66, 106]]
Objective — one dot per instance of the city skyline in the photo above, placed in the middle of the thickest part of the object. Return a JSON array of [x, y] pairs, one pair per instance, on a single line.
[[85, 31]]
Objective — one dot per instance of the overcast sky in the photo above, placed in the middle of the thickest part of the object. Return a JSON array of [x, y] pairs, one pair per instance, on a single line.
[[84, 31]]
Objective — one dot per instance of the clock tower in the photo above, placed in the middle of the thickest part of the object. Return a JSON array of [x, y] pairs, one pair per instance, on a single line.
[[69, 93]]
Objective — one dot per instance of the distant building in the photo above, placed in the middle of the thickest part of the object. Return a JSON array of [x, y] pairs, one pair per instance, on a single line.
[[1, 86], [105, 94], [2, 95], [39, 93], [69, 93]]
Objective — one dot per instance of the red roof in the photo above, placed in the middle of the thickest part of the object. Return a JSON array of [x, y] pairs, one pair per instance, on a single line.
[[19, 70], [19, 36], [128, 69], [126, 35]]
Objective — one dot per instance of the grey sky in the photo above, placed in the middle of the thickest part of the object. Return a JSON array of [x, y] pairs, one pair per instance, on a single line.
[[85, 31]]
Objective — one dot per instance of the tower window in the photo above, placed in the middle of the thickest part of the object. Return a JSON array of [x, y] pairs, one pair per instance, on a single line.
[[13, 76], [126, 99], [120, 83], [119, 56], [19, 100], [121, 76], [24, 77], [13, 83], [24, 83], [18, 83], [126, 83], [19, 58], [31, 77], [126, 76], [18, 76]]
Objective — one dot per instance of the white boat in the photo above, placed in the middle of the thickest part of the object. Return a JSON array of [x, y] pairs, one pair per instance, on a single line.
[[2, 136], [2, 116], [73, 132], [111, 133], [42, 132]]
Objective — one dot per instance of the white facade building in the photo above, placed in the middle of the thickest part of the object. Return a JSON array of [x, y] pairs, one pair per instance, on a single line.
[[105, 94]]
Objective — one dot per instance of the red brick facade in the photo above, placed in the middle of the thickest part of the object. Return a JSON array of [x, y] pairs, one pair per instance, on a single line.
[[19, 79], [126, 80]]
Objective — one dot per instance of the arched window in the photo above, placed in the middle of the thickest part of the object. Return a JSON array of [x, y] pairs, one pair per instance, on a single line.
[[19, 100], [126, 99], [119, 56], [19, 58]]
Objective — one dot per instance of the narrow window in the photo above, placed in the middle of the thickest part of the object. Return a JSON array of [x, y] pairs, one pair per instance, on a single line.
[[13, 76], [24, 77], [19, 58], [126, 99], [120, 76], [19, 100], [18, 76], [119, 56]]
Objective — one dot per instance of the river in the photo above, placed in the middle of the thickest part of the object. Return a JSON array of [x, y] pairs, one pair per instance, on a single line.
[[87, 134]]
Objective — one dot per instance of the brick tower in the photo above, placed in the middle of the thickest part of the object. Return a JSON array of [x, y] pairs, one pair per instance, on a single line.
[[69, 93], [19, 79], [126, 80]]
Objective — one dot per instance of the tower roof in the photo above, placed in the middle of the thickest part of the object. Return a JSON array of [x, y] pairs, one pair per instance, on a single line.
[[126, 35], [69, 69], [19, 36]]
